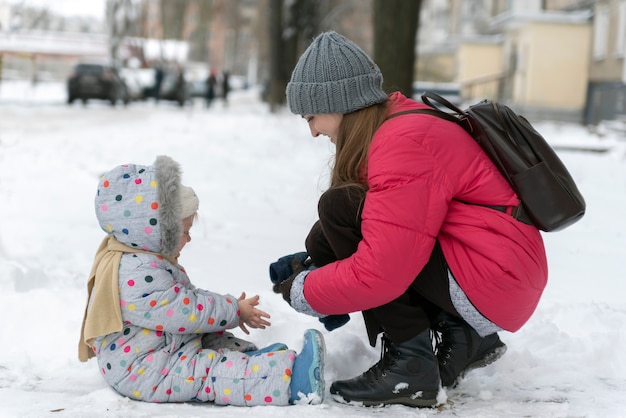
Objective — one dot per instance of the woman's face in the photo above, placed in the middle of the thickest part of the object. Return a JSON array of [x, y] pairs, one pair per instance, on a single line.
[[325, 124]]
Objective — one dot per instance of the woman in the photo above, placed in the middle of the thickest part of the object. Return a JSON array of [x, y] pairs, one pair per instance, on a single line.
[[415, 231]]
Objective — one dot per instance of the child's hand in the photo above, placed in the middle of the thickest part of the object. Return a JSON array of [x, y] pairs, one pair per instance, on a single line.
[[250, 315]]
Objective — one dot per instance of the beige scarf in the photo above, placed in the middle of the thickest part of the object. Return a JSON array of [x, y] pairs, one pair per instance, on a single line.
[[103, 315]]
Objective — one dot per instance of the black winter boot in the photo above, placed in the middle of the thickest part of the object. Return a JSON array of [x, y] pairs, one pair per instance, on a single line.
[[406, 374], [460, 349]]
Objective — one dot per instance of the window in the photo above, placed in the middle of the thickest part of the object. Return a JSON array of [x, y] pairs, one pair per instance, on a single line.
[[601, 32], [620, 42]]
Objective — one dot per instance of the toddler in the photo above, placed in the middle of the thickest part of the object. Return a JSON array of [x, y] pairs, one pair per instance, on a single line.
[[156, 336]]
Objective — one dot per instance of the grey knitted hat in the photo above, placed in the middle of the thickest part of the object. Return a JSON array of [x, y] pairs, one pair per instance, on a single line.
[[334, 75]]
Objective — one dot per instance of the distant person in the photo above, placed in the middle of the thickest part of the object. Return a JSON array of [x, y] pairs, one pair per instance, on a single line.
[[181, 86], [225, 87], [156, 336], [211, 82], [159, 75], [416, 231]]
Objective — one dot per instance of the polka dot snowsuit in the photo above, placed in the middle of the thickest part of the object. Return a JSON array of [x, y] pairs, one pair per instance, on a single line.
[[158, 355]]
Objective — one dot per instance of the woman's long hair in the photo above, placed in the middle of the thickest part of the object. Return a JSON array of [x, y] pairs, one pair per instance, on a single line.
[[353, 142]]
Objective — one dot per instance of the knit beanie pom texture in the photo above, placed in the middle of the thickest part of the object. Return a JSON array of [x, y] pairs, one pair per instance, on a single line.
[[334, 75], [189, 200]]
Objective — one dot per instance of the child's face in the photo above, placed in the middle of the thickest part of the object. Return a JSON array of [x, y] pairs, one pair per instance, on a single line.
[[186, 236]]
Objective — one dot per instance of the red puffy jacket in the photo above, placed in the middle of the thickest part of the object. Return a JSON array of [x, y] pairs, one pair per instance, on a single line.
[[419, 170]]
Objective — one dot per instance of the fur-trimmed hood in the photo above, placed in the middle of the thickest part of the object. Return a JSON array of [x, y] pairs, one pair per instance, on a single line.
[[141, 205]]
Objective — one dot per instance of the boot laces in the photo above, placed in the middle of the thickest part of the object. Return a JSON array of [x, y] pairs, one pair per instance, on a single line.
[[443, 341], [388, 356]]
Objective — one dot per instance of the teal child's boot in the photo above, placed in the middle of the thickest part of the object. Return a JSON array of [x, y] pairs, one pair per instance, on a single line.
[[307, 378], [268, 349]]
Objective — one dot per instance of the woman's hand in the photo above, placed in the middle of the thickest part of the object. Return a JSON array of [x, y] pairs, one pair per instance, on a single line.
[[249, 315]]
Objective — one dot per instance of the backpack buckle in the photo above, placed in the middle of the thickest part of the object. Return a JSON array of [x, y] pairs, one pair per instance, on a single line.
[[516, 210]]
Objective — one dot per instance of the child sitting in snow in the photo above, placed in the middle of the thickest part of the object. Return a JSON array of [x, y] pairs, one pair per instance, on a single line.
[[157, 337]]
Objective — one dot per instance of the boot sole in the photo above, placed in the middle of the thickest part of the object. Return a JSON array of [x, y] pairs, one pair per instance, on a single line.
[[482, 362], [406, 401], [318, 372]]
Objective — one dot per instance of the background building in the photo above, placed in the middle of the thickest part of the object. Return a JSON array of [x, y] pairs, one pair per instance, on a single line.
[[549, 59]]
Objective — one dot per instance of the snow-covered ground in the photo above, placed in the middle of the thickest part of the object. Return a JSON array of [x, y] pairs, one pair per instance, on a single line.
[[258, 176]]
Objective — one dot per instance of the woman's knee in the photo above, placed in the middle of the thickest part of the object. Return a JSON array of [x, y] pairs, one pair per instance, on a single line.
[[343, 203]]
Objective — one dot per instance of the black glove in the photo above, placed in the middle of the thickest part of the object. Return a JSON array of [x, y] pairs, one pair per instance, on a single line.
[[295, 266], [283, 268], [282, 274], [332, 322]]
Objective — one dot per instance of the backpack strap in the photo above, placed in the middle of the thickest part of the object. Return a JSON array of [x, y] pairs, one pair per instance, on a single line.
[[516, 212], [433, 112], [429, 95], [456, 115]]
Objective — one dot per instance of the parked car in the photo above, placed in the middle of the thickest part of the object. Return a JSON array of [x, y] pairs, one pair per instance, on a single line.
[[173, 88], [96, 81], [133, 80]]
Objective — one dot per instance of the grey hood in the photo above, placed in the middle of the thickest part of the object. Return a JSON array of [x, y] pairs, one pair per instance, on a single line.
[[141, 205]]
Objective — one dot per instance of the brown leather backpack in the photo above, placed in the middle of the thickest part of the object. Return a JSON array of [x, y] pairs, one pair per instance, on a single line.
[[550, 198]]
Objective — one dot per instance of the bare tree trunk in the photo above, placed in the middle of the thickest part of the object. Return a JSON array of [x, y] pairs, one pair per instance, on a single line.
[[199, 49], [277, 81], [173, 18], [115, 35], [121, 16], [395, 30], [288, 38]]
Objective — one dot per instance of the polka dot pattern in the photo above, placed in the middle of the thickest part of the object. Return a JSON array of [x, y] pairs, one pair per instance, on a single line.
[[193, 373], [162, 310], [158, 356], [127, 206]]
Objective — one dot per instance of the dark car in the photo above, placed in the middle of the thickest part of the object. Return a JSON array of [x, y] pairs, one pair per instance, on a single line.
[[174, 87], [96, 81]]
